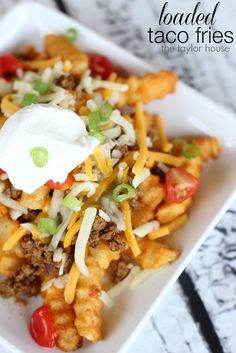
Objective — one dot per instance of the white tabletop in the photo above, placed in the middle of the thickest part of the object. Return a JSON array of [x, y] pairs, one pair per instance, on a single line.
[[199, 313]]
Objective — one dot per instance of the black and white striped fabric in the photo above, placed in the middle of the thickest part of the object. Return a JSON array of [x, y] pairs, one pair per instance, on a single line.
[[199, 313]]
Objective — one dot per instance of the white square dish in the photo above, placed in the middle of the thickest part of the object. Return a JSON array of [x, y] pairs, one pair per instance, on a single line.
[[186, 112]]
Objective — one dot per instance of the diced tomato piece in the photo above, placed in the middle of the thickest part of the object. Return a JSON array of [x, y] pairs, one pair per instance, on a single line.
[[41, 327], [61, 186], [8, 65], [180, 185], [102, 66], [2, 171]]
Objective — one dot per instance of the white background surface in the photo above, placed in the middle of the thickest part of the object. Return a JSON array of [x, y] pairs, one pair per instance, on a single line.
[[172, 328]]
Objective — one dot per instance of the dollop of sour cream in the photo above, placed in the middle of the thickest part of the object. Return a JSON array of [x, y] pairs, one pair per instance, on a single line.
[[61, 132]]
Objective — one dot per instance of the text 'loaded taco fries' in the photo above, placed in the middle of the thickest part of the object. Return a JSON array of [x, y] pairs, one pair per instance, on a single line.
[[86, 191]]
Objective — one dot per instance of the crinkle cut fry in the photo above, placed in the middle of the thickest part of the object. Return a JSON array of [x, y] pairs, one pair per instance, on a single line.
[[67, 337], [147, 88], [56, 45], [10, 261], [88, 304]]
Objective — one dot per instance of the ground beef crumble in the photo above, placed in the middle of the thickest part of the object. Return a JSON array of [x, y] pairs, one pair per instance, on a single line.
[[29, 216], [11, 192], [119, 271], [27, 280], [68, 82], [108, 232]]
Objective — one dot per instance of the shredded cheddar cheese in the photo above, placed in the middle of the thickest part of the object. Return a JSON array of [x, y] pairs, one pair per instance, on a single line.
[[141, 139], [89, 169], [71, 284], [125, 175], [128, 229], [73, 219], [164, 144], [83, 110], [163, 158], [101, 161], [108, 92], [67, 66], [8, 107], [14, 238], [71, 232], [158, 233]]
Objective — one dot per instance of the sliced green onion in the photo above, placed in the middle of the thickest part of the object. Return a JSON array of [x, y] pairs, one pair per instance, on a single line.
[[39, 156], [41, 87], [47, 226], [98, 135], [94, 122], [117, 194], [105, 111], [29, 99], [72, 203], [191, 151], [71, 34]]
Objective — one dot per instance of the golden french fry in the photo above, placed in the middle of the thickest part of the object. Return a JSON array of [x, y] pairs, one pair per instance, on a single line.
[[39, 64], [3, 119], [7, 228], [3, 210], [209, 147], [103, 255], [170, 211], [10, 263], [37, 200], [147, 88], [177, 223], [59, 46], [88, 304], [142, 215], [152, 192], [67, 337], [159, 233], [154, 255]]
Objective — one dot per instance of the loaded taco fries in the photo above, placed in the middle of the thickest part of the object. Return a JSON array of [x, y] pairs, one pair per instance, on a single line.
[[88, 189]]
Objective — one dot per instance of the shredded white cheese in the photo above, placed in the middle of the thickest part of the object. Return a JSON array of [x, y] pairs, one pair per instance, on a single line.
[[57, 255], [112, 133], [163, 167], [55, 204], [58, 236], [116, 154], [14, 205], [114, 213], [82, 239], [104, 215], [121, 168], [15, 214], [138, 179], [81, 177], [136, 155], [125, 124], [63, 262], [88, 186], [146, 228], [110, 85], [106, 299]]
